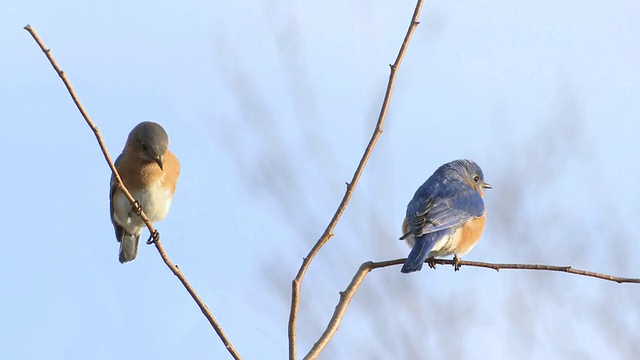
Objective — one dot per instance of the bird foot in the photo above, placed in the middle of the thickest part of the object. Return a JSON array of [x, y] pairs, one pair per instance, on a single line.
[[431, 262], [153, 238], [136, 207], [456, 263]]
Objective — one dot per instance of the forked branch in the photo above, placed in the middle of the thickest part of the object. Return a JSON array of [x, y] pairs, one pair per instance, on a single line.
[[328, 233], [365, 268]]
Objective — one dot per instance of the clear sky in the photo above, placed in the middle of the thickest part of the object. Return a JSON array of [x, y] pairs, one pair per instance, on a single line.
[[269, 106]]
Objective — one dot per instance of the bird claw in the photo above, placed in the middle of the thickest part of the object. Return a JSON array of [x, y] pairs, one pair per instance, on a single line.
[[136, 207], [431, 262], [456, 263], [153, 238]]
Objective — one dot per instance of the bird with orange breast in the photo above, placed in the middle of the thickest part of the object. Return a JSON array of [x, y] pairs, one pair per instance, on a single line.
[[150, 171], [446, 215]]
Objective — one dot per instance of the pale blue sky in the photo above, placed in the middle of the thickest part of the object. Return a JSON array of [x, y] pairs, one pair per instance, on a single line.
[[269, 105]]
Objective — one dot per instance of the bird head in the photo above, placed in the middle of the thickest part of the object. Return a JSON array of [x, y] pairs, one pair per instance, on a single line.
[[471, 173], [150, 142]]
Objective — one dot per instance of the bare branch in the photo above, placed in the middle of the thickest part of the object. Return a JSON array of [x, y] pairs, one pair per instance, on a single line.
[[566, 269], [328, 233], [174, 268], [365, 268]]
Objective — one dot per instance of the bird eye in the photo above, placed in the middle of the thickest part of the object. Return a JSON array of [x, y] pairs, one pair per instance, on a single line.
[[144, 146], [476, 178]]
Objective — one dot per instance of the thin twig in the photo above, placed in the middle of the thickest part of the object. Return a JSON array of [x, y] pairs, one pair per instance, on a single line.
[[565, 269], [328, 233], [365, 268], [174, 268]]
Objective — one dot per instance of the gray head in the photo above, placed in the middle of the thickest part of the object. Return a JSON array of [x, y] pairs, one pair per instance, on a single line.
[[149, 141], [469, 171]]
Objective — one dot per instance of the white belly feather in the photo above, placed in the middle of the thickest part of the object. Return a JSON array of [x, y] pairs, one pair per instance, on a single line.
[[445, 246], [155, 203]]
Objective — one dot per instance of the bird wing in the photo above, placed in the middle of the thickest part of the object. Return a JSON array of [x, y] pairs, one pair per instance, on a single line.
[[440, 206], [119, 230]]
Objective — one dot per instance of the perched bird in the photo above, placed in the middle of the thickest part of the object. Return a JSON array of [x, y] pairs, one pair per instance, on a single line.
[[446, 215], [150, 172]]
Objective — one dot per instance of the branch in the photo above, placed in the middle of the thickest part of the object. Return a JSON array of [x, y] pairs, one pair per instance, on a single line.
[[136, 208], [328, 233], [365, 268], [498, 267]]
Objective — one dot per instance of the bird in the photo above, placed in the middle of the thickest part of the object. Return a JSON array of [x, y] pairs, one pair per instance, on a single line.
[[446, 214], [149, 170]]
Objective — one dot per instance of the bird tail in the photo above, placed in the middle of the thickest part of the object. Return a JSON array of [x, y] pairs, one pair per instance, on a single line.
[[417, 256], [128, 247]]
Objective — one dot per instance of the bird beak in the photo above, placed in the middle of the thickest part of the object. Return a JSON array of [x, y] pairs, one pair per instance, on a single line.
[[159, 162], [487, 186]]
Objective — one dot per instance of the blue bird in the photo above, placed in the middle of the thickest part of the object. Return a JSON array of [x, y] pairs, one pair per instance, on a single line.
[[446, 215]]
